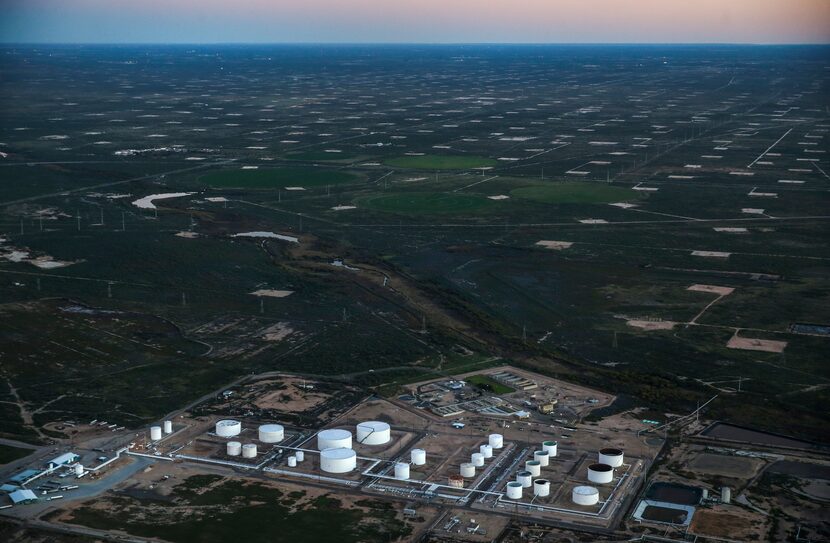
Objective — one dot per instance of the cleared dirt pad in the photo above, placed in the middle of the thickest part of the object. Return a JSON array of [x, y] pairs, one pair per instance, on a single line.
[[555, 245], [652, 325], [727, 466], [714, 289], [752, 344], [273, 293], [719, 524]]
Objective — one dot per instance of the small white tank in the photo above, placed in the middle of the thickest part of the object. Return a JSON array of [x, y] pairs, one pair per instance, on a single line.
[[249, 450], [168, 427], [726, 495], [486, 450], [79, 469], [534, 467], [402, 471], [418, 457], [524, 478], [477, 459], [514, 490], [541, 487], [611, 457], [496, 441], [468, 470], [550, 447], [234, 448], [292, 461], [585, 495], [543, 457], [600, 473], [300, 456], [155, 433]]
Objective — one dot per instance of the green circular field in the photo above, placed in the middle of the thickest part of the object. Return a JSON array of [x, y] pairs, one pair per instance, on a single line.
[[269, 178], [576, 193], [440, 162], [427, 203]]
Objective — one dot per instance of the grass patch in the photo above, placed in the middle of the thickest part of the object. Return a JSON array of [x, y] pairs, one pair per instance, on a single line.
[[10, 454], [321, 156], [427, 203], [489, 384], [270, 178], [441, 162], [575, 193]]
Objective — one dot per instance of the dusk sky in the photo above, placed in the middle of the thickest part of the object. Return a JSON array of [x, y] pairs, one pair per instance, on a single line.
[[430, 21]]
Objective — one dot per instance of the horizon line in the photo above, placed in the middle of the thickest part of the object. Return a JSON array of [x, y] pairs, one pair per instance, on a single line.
[[434, 43]]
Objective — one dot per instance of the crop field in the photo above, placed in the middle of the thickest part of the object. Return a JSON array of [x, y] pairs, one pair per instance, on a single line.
[[553, 207]]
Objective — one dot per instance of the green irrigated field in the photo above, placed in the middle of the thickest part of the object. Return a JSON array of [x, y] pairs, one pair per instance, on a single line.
[[272, 178], [576, 193], [441, 162], [428, 203]]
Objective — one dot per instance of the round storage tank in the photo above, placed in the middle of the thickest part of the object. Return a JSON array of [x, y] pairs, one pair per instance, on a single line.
[[79, 469], [249, 450], [228, 428], [541, 488], [334, 439], [234, 448], [477, 459], [292, 461], [524, 478], [611, 457], [373, 432], [418, 457], [468, 470], [456, 481], [534, 467], [496, 441], [600, 473], [486, 450], [726, 495], [550, 447], [338, 460], [402, 471], [585, 495], [543, 457], [155, 433], [514, 490], [168, 427], [300, 456], [271, 433]]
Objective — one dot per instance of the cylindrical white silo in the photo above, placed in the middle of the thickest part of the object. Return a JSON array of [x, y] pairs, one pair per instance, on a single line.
[[228, 428], [338, 460], [496, 441], [514, 490], [541, 487], [249, 450], [534, 467], [299, 455], [486, 450], [477, 459], [611, 457], [373, 432], [600, 473], [550, 447], [271, 433], [292, 461], [155, 433], [234, 448], [468, 470], [168, 427], [543, 457], [402, 471], [585, 495], [79, 469], [524, 478], [418, 457], [334, 439], [725, 495]]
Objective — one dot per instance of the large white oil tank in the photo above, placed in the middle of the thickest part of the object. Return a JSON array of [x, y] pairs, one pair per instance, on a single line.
[[234, 448], [514, 490], [726, 495], [299, 455], [541, 487], [534, 467], [228, 428], [496, 441], [79, 469], [468, 470], [292, 461], [402, 471], [486, 450], [373, 432], [477, 459], [334, 439], [418, 457], [249, 450], [168, 427], [338, 460], [524, 478], [543, 457], [585, 495], [550, 447], [271, 433], [155, 433], [600, 473], [611, 457]]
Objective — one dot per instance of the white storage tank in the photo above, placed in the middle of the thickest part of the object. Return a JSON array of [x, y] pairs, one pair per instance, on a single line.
[[155, 433], [271, 433], [534, 467], [373, 432], [402, 471], [541, 488], [551, 447], [524, 478], [334, 439], [338, 460], [486, 450], [726, 495], [228, 428], [585, 495], [477, 459], [234, 448], [468, 470], [292, 461], [496, 441], [600, 473], [249, 450], [168, 427], [299, 455], [543, 457], [514, 490], [79, 469], [418, 457], [611, 457]]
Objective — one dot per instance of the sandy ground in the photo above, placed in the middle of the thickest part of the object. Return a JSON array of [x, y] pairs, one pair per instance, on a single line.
[[752, 344], [272, 293], [555, 245], [724, 521], [714, 289], [651, 325], [711, 254]]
